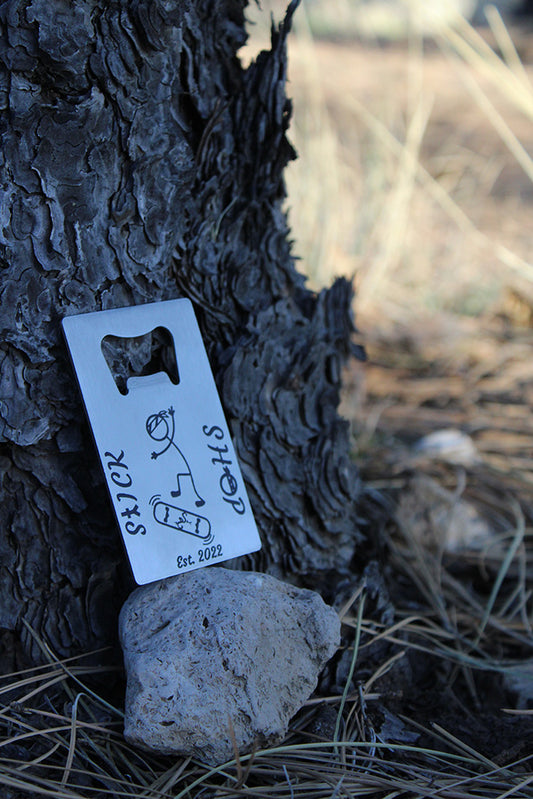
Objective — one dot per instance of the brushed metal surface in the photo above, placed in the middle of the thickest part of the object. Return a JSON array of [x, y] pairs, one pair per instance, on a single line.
[[165, 449]]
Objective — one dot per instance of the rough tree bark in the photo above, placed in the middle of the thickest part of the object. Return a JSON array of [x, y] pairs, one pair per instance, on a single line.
[[141, 162]]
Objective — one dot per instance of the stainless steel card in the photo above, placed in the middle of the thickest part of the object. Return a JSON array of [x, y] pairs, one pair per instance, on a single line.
[[166, 452]]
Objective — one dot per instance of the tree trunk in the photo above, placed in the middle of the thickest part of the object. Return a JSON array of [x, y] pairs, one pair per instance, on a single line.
[[143, 163]]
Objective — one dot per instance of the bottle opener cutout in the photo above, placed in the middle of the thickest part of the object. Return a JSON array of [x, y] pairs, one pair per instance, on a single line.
[[168, 459]]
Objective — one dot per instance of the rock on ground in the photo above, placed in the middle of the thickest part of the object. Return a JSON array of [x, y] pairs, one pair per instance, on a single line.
[[217, 658]]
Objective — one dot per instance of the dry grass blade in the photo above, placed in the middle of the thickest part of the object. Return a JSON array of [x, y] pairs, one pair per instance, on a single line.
[[37, 787], [506, 46], [398, 207], [72, 743], [473, 48], [342, 704], [517, 788], [506, 562]]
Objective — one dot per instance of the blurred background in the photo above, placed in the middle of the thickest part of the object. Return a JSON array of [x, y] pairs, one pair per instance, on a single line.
[[413, 126]]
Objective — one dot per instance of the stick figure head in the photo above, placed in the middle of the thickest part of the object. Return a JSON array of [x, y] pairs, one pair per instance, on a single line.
[[157, 426]]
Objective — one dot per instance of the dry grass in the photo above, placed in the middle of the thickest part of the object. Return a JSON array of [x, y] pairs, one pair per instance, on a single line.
[[62, 739], [415, 176]]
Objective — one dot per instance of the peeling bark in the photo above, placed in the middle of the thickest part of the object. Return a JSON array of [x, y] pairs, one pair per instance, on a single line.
[[142, 163]]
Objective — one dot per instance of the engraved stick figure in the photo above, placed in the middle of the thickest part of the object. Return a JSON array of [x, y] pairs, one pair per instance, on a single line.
[[159, 429]]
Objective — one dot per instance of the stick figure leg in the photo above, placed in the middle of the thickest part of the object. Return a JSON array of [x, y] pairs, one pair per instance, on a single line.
[[199, 502], [177, 492]]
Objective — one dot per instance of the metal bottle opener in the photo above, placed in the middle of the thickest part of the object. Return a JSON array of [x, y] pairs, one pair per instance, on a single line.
[[168, 459]]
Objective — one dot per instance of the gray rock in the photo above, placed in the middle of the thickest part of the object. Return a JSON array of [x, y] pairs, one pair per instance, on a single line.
[[216, 656]]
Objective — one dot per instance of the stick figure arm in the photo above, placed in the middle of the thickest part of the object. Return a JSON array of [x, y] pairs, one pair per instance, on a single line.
[[157, 454]]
